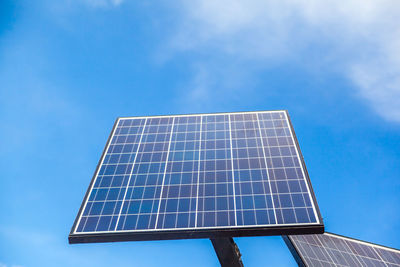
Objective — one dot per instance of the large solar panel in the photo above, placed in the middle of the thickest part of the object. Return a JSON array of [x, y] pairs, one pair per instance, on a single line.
[[202, 175], [334, 250]]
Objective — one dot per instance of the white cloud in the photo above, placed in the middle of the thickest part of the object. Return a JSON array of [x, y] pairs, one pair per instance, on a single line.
[[380, 85], [103, 3], [211, 82], [5, 265], [359, 38]]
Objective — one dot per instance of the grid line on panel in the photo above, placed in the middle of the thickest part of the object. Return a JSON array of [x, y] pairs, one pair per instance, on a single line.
[[165, 171], [266, 168], [215, 205], [350, 257], [271, 146], [286, 175], [317, 253], [238, 182], [189, 150], [341, 251], [104, 201], [327, 252], [303, 171], [251, 175], [347, 245], [368, 258], [198, 170], [334, 257], [258, 194], [245, 128], [96, 175], [122, 189], [259, 146], [245, 209], [233, 172], [314, 248], [102, 209], [380, 257], [245, 169], [179, 198], [180, 142], [277, 194], [294, 164], [216, 130], [140, 213], [130, 175], [180, 187]]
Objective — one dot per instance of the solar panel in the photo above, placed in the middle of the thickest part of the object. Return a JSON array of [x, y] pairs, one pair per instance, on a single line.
[[194, 176], [333, 250]]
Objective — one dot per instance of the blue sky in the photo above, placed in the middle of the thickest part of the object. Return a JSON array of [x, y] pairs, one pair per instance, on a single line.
[[68, 68]]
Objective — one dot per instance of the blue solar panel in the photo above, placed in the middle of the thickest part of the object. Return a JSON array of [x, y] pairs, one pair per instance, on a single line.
[[193, 172], [334, 250]]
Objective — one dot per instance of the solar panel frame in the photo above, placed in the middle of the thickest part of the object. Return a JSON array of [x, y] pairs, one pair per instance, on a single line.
[[160, 234], [302, 261]]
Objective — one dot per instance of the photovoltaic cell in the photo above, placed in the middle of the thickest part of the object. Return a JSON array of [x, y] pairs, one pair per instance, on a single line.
[[197, 173], [333, 250]]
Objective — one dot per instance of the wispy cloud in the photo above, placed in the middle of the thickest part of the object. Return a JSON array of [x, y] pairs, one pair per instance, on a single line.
[[359, 39], [104, 3], [210, 82], [5, 265]]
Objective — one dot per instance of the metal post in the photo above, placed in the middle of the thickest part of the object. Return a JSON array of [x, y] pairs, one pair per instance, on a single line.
[[227, 251]]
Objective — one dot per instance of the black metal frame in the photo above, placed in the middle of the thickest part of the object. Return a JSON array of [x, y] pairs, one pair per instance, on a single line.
[[305, 169], [198, 233], [293, 249], [193, 234], [227, 252]]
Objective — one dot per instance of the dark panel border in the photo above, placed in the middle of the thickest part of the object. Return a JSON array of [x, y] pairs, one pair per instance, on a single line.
[[293, 249], [194, 234]]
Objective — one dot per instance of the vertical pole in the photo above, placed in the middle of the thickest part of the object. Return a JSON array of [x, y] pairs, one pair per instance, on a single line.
[[227, 251]]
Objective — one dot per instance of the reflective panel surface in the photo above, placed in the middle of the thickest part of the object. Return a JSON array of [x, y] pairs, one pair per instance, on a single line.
[[203, 171], [333, 250]]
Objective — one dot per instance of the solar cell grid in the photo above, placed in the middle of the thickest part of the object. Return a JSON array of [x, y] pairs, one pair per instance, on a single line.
[[253, 198], [204, 171], [177, 209], [334, 250], [141, 201], [215, 206]]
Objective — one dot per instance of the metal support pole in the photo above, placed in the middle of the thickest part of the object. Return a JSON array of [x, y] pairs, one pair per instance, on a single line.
[[227, 251]]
